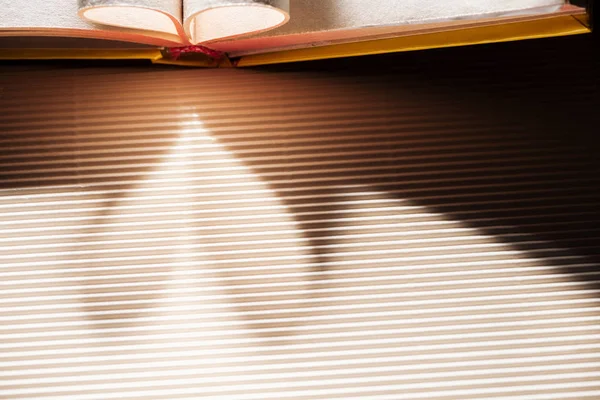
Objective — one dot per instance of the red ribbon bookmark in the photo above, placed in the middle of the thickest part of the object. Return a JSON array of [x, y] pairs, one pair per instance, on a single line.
[[176, 52]]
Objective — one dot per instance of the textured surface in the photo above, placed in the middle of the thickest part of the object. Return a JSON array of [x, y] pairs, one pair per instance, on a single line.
[[421, 226], [325, 21], [307, 15], [41, 14], [322, 15]]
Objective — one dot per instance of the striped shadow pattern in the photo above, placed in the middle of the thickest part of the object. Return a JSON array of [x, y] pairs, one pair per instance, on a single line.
[[287, 234]]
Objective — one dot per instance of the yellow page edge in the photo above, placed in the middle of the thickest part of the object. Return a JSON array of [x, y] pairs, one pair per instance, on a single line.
[[155, 55], [80, 54], [548, 27]]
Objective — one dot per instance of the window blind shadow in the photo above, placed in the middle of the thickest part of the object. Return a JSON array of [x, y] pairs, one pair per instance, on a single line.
[[411, 232]]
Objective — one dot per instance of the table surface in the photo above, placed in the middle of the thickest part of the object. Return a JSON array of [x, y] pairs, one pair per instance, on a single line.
[[411, 226]]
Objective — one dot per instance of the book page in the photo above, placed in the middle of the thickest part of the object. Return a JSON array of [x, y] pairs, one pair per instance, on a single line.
[[59, 18], [209, 20], [154, 15], [158, 22], [322, 21], [40, 14]]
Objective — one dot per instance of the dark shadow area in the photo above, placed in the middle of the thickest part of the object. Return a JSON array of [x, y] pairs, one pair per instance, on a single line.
[[527, 116]]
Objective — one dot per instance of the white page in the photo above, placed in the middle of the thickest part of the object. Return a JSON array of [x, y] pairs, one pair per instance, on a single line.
[[59, 18], [35, 14], [146, 21], [162, 22], [155, 15], [208, 20], [320, 15], [318, 21]]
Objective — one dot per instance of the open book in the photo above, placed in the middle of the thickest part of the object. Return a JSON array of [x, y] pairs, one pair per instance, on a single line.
[[246, 27]]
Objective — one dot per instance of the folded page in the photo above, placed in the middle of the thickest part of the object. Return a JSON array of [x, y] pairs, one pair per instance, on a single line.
[[60, 18], [209, 20], [153, 15]]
